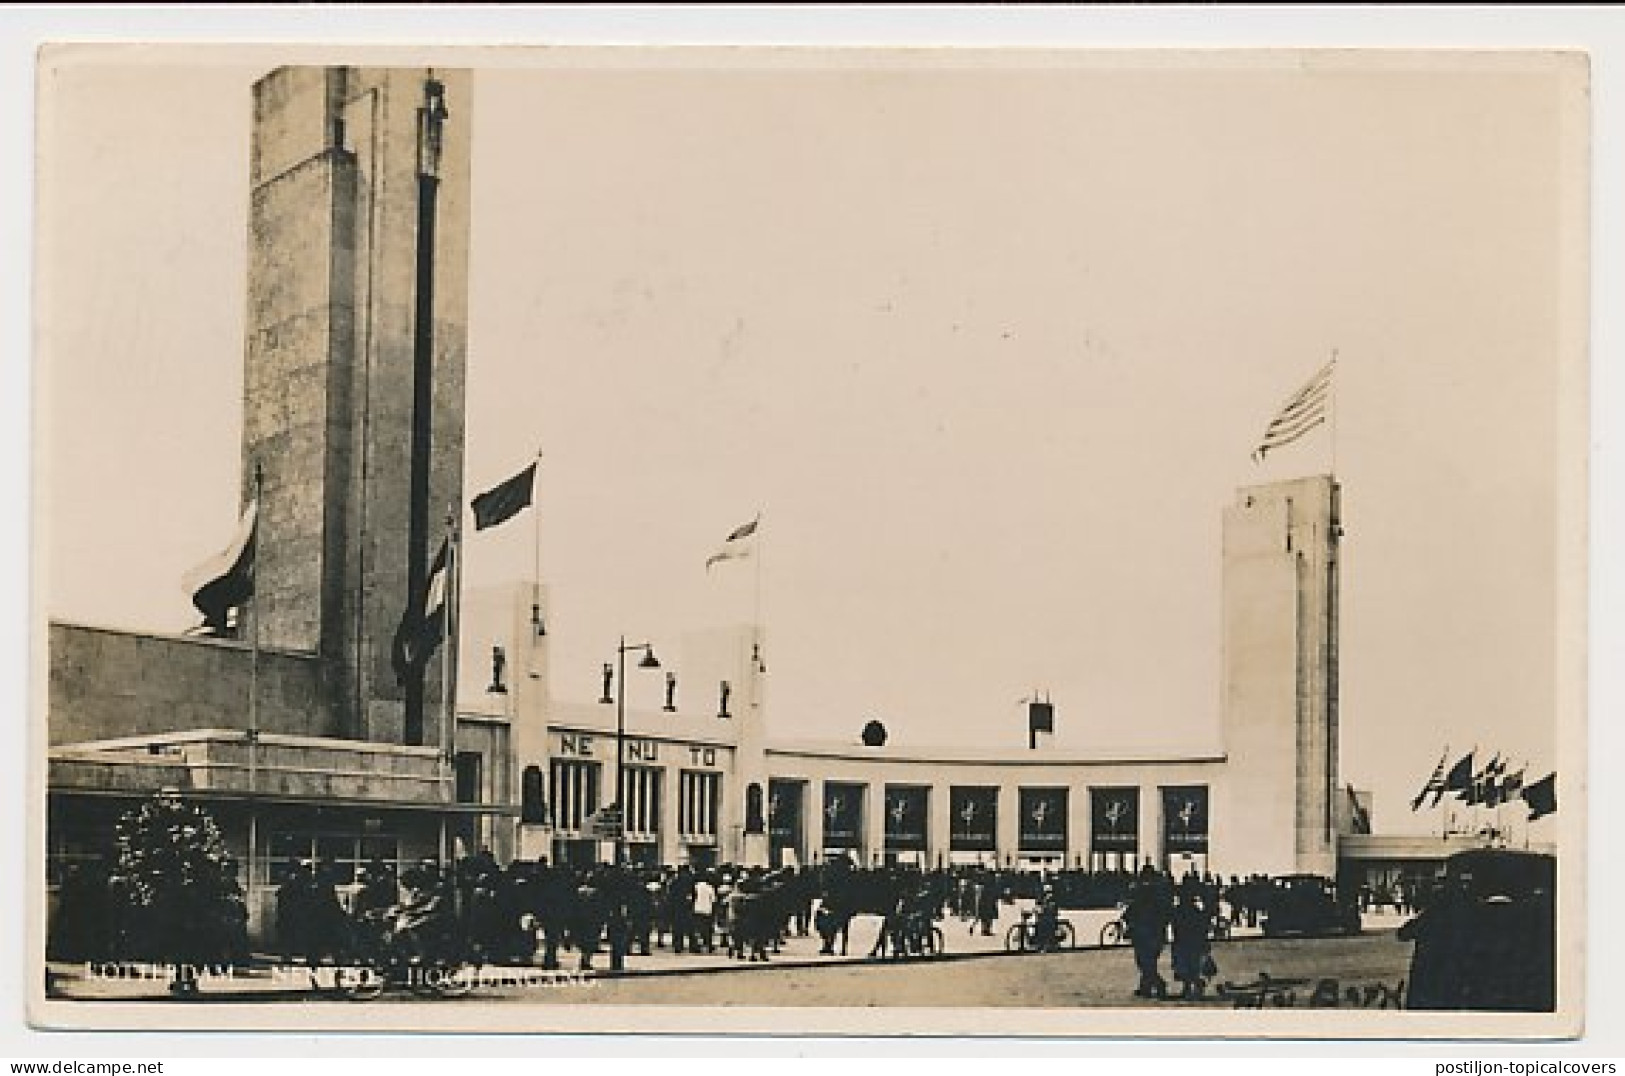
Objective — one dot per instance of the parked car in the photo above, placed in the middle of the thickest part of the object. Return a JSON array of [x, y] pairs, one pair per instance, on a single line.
[[1487, 941], [1309, 904]]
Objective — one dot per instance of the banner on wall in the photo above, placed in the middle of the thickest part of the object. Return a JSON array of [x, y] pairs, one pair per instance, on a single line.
[[784, 813], [907, 810], [843, 815], [1114, 815], [973, 819], [1184, 818], [1043, 819]]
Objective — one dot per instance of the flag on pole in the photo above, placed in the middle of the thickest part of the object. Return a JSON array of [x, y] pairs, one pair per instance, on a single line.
[[1478, 789], [1512, 787], [1458, 780], [1541, 797], [737, 544], [1433, 784], [1303, 412], [501, 503], [226, 580], [423, 625]]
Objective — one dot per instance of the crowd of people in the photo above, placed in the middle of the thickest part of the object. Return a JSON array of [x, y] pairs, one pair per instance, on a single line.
[[533, 912]]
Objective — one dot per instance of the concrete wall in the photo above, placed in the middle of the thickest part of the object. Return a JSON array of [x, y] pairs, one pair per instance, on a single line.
[[107, 684]]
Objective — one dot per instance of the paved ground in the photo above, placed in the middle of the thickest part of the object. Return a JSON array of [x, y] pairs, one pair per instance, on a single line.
[[1083, 978], [975, 972]]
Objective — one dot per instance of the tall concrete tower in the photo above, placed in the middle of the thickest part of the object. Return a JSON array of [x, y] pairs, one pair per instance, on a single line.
[[353, 386], [1280, 675]]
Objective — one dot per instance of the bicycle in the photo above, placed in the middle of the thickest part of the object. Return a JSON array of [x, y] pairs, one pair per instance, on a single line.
[[1115, 932], [382, 959], [1023, 937]]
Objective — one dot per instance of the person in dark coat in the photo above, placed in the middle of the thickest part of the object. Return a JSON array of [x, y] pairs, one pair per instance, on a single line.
[[590, 911], [1435, 982], [1191, 946], [680, 905], [1149, 912], [987, 902], [553, 904]]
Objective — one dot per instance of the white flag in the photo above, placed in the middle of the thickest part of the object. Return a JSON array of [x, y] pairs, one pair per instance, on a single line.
[[738, 544]]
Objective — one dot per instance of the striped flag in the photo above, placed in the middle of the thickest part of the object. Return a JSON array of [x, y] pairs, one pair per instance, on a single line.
[[737, 544], [226, 580], [1434, 784], [1300, 414], [423, 625]]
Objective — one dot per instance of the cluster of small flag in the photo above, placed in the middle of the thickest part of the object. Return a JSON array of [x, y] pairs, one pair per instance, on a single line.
[[1491, 786]]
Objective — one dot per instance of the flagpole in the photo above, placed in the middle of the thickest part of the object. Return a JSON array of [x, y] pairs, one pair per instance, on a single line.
[[536, 532], [448, 676], [756, 620], [253, 711], [1333, 401]]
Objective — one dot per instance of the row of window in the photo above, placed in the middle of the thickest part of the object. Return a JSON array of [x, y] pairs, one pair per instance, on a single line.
[[574, 793]]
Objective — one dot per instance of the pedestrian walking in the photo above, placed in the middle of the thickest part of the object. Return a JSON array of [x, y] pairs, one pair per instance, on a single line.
[[1150, 909]]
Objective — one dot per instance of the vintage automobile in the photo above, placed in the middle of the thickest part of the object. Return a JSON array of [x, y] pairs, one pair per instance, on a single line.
[[1309, 904], [1487, 940]]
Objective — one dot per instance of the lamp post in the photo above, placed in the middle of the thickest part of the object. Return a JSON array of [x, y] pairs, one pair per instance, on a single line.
[[649, 661]]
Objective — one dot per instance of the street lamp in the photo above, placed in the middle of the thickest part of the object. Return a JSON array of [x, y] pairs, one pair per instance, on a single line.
[[649, 662]]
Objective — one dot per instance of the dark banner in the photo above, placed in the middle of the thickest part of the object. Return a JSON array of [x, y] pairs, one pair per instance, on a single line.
[[784, 813], [1114, 819], [973, 819], [1043, 820], [843, 815], [1184, 818], [907, 809]]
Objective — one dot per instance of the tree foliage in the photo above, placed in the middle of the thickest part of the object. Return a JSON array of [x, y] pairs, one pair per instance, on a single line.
[[178, 885]]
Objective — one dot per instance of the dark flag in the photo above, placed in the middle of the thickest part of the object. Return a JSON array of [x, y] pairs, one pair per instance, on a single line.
[[1114, 815], [1541, 797], [1434, 784], [973, 819], [502, 503], [1512, 787], [1459, 779], [226, 580], [423, 625]]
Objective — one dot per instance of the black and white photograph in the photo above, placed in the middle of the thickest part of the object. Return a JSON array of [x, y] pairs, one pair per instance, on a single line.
[[811, 540]]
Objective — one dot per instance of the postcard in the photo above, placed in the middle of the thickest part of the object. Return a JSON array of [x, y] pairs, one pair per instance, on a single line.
[[864, 541]]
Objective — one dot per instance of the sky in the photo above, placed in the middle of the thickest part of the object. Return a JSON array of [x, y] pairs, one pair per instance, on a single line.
[[986, 343]]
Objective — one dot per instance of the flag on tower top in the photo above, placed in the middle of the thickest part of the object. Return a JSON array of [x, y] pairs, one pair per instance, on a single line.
[[1303, 412], [737, 544], [501, 503]]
